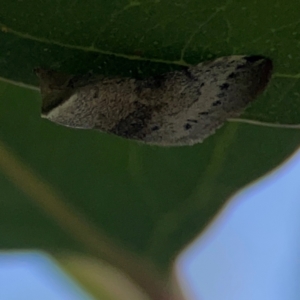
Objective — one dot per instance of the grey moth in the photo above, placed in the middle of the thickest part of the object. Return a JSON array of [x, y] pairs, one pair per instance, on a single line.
[[176, 108]]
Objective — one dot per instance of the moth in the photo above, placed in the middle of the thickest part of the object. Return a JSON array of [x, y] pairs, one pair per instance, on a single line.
[[176, 108]]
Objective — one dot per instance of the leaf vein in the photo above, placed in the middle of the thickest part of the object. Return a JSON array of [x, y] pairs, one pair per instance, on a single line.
[[91, 48]]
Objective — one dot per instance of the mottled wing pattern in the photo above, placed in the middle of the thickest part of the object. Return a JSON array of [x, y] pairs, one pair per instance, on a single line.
[[176, 108]]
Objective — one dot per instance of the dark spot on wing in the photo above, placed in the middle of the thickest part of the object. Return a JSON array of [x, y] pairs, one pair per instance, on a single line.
[[154, 128], [192, 120], [188, 74], [187, 126], [135, 124], [216, 103], [204, 113], [232, 75], [224, 86], [96, 92], [241, 67]]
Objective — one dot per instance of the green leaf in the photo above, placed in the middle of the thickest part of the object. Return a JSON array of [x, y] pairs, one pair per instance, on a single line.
[[66, 189]]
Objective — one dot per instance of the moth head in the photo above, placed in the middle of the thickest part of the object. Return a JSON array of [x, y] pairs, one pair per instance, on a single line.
[[55, 88], [263, 67]]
